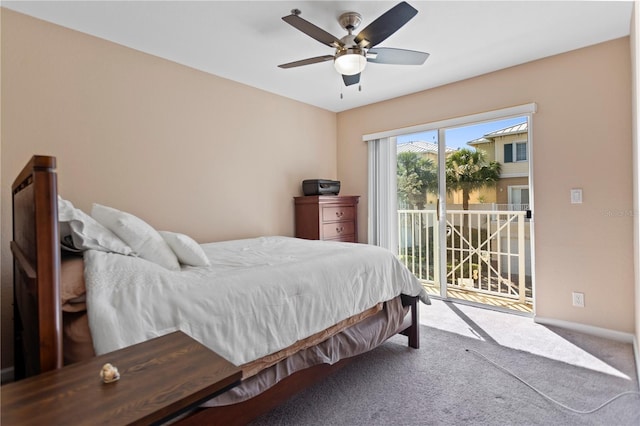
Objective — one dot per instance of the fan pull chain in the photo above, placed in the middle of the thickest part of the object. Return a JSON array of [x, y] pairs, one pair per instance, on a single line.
[[342, 89]]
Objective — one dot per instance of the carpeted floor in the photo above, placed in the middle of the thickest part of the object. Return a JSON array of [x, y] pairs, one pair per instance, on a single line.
[[443, 383]]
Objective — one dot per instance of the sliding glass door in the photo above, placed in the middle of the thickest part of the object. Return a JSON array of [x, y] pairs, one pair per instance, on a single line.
[[464, 210], [418, 193]]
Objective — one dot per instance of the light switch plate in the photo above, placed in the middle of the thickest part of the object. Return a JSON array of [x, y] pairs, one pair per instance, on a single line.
[[576, 196]]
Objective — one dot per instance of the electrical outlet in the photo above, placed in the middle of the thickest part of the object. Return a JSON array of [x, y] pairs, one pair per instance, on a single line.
[[578, 299]]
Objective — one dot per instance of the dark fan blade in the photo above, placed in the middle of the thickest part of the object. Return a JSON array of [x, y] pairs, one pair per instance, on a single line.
[[351, 79], [312, 31], [308, 61], [387, 24], [387, 55]]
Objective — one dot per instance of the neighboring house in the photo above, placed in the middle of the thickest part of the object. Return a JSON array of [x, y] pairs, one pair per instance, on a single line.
[[507, 146], [428, 150]]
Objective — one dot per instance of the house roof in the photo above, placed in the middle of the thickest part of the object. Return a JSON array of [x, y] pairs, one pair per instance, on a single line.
[[479, 141], [421, 146], [518, 128], [511, 130]]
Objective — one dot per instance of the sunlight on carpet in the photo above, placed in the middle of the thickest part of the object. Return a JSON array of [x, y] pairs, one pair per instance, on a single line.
[[512, 331]]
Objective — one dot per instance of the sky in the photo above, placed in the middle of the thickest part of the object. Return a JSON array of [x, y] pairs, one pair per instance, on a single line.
[[458, 137]]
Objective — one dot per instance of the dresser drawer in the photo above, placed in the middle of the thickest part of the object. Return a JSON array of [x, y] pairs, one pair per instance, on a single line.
[[337, 229], [344, 239], [327, 217], [332, 213]]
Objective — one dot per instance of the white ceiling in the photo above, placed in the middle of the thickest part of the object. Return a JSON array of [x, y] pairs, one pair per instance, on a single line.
[[246, 40]]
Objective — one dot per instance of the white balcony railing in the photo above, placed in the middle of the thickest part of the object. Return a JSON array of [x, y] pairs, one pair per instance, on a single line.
[[487, 251]]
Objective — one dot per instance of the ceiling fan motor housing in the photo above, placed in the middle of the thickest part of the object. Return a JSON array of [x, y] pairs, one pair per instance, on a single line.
[[350, 21]]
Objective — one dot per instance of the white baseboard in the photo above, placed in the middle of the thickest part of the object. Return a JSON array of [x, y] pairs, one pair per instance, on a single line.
[[599, 332], [587, 329], [6, 375]]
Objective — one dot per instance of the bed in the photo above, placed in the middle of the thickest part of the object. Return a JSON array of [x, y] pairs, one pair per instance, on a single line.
[[304, 315]]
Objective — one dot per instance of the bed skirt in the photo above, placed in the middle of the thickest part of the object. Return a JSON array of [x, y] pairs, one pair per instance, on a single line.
[[354, 340]]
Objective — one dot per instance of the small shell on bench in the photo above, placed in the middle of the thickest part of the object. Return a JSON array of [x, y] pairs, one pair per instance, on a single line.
[[109, 373]]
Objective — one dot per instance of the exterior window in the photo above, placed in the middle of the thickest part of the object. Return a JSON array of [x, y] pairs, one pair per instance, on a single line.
[[520, 153], [508, 153], [518, 197]]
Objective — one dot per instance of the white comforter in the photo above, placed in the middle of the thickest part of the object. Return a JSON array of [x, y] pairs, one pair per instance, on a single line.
[[257, 297]]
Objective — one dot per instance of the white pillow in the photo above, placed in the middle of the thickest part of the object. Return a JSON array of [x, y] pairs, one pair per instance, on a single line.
[[79, 231], [145, 241], [185, 248]]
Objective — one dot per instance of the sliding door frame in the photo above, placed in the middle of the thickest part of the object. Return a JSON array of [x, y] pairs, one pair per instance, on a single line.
[[525, 110]]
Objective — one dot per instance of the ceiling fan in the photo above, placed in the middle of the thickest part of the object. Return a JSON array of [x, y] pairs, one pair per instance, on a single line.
[[354, 51]]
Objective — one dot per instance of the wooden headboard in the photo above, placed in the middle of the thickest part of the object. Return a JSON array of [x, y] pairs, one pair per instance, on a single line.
[[36, 269]]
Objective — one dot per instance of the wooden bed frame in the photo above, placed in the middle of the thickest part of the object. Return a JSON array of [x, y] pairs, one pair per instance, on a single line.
[[38, 310]]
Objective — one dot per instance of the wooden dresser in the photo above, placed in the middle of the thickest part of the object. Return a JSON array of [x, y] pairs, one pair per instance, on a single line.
[[327, 217]]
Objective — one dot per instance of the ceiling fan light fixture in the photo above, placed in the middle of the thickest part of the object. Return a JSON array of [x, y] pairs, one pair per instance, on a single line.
[[353, 51], [350, 61]]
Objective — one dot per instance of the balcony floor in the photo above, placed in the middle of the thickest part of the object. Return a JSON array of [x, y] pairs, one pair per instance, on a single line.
[[485, 299]]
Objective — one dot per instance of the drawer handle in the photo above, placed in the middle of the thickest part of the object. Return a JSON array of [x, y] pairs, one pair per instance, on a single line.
[[339, 214], [340, 229]]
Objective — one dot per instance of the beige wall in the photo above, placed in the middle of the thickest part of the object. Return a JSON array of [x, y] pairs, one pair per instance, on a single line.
[[182, 149], [584, 114], [635, 57]]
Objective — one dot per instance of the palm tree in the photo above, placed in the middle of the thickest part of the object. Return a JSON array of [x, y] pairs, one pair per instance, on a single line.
[[416, 177], [468, 170]]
